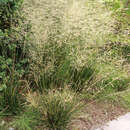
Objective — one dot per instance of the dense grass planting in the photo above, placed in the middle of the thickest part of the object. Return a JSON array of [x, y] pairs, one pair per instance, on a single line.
[[51, 64]]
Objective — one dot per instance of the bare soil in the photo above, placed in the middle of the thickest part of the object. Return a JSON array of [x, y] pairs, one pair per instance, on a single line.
[[97, 114]]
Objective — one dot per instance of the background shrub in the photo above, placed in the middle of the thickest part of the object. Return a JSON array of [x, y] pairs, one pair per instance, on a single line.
[[9, 13], [14, 58], [14, 34]]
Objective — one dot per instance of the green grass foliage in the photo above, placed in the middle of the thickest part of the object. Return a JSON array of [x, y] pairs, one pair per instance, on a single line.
[[58, 109], [69, 50]]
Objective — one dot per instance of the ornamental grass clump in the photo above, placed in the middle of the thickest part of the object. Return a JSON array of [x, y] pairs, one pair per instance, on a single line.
[[58, 109]]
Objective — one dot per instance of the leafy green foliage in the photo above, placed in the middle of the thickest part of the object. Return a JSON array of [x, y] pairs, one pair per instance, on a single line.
[[13, 55], [13, 39], [9, 13], [13, 66], [14, 60]]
